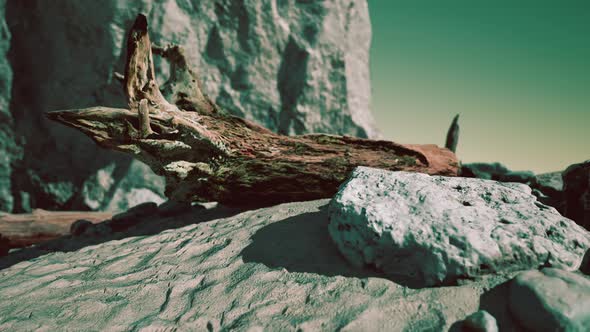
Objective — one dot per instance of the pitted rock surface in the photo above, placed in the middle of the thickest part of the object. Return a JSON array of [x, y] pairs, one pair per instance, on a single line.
[[433, 229]]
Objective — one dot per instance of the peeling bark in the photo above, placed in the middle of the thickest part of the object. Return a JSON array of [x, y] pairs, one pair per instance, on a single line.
[[208, 155]]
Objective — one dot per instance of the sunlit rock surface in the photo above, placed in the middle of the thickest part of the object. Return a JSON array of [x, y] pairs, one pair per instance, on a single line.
[[294, 66], [434, 229]]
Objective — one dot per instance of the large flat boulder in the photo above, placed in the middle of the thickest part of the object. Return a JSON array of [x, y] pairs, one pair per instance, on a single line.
[[273, 269], [431, 229]]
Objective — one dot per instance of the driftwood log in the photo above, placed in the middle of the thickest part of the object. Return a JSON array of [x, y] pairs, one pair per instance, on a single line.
[[21, 230], [208, 155]]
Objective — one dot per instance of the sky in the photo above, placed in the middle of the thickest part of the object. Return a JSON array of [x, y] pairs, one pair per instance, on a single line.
[[517, 72]]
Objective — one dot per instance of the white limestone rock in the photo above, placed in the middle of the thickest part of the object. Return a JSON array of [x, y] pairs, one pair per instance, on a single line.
[[293, 66], [433, 230]]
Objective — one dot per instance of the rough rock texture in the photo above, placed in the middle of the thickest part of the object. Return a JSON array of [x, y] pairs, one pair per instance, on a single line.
[[272, 269], [433, 229], [551, 300], [293, 66], [576, 180], [8, 150]]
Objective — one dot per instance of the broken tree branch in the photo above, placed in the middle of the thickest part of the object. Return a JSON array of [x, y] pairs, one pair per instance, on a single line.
[[207, 155], [453, 135]]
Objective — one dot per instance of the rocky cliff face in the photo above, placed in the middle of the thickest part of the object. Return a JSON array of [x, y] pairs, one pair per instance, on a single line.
[[8, 150], [294, 66]]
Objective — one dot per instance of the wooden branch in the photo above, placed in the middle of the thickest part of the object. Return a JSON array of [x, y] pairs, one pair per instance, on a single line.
[[22, 230], [207, 155], [453, 135]]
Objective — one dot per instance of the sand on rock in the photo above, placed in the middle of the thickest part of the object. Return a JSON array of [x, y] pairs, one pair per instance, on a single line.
[[272, 269]]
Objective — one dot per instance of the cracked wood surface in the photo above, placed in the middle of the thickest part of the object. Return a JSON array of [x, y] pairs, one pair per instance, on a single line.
[[208, 155]]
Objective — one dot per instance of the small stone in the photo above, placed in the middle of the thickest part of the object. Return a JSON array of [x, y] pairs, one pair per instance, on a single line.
[[79, 227], [480, 321], [551, 300]]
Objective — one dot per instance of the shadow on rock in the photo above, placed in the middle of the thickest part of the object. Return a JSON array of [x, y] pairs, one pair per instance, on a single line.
[[148, 225], [495, 301], [301, 244]]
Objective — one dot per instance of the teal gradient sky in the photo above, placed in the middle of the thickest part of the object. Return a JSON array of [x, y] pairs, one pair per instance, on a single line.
[[518, 72]]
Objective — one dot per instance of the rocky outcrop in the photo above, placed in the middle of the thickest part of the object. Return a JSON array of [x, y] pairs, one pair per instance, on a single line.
[[551, 300], [496, 172], [576, 180], [548, 188], [432, 230], [8, 150], [272, 269], [293, 66]]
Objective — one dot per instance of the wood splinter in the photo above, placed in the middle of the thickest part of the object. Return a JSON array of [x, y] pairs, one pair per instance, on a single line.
[[208, 155], [144, 119]]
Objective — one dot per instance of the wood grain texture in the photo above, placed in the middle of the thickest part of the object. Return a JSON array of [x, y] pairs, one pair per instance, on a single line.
[[208, 155]]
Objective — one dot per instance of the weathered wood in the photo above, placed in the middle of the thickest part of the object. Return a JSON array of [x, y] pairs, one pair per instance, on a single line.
[[22, 230], [207, 155], [453, 135]]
